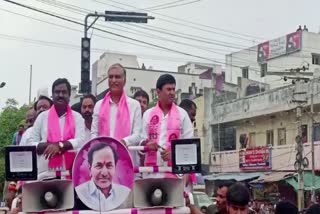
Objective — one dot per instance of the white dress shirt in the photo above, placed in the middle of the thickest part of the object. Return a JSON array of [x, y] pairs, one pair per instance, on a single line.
[[87, 133], [40, 131], [135, 120], [186, 129], [26, 137], [92, 197]]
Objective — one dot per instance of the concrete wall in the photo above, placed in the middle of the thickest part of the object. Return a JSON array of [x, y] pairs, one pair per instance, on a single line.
[[248, 57], [269, 102]]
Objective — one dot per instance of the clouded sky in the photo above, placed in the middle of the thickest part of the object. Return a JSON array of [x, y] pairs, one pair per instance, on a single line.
[[52, 45]]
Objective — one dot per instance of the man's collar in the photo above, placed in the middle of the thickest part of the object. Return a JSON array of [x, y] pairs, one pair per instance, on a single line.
[[94, 190]]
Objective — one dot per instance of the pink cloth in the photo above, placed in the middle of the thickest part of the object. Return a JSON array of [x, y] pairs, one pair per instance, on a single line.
[[55, 136], [123, 126], [154, 129]]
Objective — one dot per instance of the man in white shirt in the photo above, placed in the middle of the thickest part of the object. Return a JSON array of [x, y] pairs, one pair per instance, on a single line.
[[61, 90], [87, 105], [42, 104], [112, 100], [101, 193], [166, 93]]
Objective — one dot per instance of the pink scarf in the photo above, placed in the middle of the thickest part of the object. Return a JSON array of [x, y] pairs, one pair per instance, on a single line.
[[154, 130], [123, 124], [54, 134]]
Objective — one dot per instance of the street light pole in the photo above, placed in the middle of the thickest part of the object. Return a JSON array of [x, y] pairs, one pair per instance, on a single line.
[[111, 16]]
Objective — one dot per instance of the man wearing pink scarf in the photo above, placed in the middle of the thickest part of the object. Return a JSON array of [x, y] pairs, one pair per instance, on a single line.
[[117, 115], [57, 130], [164, 123]]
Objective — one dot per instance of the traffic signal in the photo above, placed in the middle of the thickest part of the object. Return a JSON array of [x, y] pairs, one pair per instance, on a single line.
[[85, 84]]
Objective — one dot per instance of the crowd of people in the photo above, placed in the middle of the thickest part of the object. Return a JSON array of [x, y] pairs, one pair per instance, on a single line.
[[54, 127]]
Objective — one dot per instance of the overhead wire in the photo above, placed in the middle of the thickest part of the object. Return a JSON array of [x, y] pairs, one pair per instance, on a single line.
[[165, 39], [170, 32], [165, 4], [173, 6], [186, 22], [119, 35]]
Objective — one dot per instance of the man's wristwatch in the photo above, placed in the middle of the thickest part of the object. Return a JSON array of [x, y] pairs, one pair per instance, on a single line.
[[61, 146]]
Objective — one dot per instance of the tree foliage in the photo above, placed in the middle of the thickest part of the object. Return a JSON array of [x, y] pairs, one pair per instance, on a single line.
[[11, 117]]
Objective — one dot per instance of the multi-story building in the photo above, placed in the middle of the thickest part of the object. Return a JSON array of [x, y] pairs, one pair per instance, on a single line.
[[265, 120], [268, 61]]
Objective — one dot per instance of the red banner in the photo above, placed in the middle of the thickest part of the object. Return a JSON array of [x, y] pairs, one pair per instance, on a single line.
[[255, 158]]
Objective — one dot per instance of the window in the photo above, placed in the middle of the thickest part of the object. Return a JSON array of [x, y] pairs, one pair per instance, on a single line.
[[282, 136], [316, 59], [245, 72], [269, 138], [263, 69], [252, 139], [316, 132], [304, 129]]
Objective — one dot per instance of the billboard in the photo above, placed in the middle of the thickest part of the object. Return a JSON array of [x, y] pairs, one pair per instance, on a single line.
[[279, 47], [258, 158]]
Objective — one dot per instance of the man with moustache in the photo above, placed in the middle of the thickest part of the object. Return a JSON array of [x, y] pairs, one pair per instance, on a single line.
[[87, 106], [117, 115], [42, 104], [58, 129]]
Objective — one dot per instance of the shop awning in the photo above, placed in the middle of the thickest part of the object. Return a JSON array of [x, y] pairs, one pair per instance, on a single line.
[[232, 176], [293, 181], [272, 177]]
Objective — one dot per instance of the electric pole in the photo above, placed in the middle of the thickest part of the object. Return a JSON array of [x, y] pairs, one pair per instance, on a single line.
[[299, 97], [313, 198]]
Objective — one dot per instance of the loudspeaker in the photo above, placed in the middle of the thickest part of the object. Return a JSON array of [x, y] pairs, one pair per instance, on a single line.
[[50, 195], [158, 192]]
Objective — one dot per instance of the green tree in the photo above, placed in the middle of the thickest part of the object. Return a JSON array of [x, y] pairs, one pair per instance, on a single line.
[[10, 118]]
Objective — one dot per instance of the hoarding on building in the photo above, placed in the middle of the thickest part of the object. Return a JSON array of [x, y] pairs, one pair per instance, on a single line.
[[258, 158], [279, 47]]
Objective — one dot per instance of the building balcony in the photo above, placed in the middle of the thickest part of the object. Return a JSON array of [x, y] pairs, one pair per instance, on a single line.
[[282, 159]]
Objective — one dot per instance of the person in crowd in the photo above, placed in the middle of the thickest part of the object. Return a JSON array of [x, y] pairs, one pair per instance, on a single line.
[[43, 103], [87, 106], [313, 209], [163, 123], [30, 118], [238, 198], [190, 107], [18, 135], [222, 196], [58, 129], [143, 98], [284, 207], [117, 115], [100, 192]]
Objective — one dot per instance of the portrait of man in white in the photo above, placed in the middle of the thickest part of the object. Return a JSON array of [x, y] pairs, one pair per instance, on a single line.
[[100, 192]]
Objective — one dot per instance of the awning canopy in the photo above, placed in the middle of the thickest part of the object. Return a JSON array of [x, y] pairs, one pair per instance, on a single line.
[[232, 176], [272, 177], [293, 181]]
